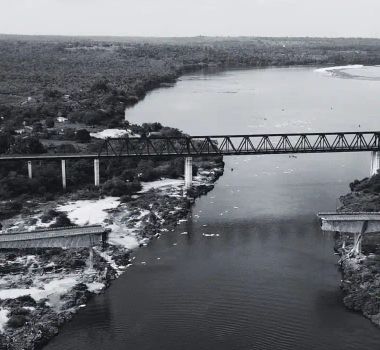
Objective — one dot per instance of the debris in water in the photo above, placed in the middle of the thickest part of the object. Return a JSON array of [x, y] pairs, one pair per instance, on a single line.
[[210, 234]]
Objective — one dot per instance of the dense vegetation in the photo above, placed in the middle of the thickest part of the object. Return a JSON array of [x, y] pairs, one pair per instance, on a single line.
[[367, 185], [364, 196], [92, 80]]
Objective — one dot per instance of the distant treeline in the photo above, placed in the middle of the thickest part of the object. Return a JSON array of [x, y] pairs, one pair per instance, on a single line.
[[92, 80]]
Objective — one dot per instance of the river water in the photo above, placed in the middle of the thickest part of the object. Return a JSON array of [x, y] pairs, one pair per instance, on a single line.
[[269, 280]]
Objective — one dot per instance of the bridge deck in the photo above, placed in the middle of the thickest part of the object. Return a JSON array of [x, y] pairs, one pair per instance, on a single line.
[[350, 216], [356, 222]]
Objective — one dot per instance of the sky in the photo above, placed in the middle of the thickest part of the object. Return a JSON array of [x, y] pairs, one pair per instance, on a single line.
[[325, 18]]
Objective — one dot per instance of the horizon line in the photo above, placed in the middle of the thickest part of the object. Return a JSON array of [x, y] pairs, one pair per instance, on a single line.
[[188, 37]]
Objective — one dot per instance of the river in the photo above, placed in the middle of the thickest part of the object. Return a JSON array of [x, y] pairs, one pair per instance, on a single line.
[[268, 279]]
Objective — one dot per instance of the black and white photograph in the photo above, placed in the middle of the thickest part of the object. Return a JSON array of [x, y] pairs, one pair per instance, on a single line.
[[189, 175]]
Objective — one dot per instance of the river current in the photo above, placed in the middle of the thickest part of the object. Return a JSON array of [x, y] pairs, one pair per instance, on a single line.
[[268, 280]]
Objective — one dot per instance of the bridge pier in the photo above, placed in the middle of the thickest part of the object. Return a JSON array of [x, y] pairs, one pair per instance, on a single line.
[[357, 248], [91, 258], [188, 172], [30, 170], [63, 166], [96, 173], [375, 162]]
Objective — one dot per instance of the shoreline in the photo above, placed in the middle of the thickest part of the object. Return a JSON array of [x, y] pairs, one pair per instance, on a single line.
[[59, 282], [360, 282]]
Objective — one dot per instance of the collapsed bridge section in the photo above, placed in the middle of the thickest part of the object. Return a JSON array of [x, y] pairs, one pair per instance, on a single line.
[[67, 237], [355, 223]]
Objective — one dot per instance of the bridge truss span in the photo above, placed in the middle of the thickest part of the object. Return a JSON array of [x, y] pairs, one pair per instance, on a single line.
[[220, 145], [241, 144]]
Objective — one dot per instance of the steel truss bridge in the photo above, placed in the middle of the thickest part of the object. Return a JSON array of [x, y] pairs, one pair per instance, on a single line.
[[224, 145]]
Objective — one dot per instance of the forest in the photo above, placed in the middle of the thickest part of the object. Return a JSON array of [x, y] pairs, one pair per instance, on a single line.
[[93, 80]]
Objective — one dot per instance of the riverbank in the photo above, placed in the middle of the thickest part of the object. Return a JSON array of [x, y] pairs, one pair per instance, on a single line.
[[43, 289], [361, 275]]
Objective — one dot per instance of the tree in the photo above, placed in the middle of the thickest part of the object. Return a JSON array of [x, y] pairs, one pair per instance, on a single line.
[[37, 127], [118, 187], [83, 135], [29, 145], [149, 127], [52, 94], [69, 134], [49, 122], [100, 86], [62, 221], [5, 141], [145, 170]]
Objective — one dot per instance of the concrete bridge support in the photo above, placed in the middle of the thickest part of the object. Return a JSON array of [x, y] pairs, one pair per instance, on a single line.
[[188, 172], [96, 173], [91, 258], [63, 165], [375, 163], [30, 170], [357, 248]]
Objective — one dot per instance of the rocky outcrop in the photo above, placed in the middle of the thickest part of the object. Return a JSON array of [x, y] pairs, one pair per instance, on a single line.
[[361, 286], [361, 275], [31, 323]]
